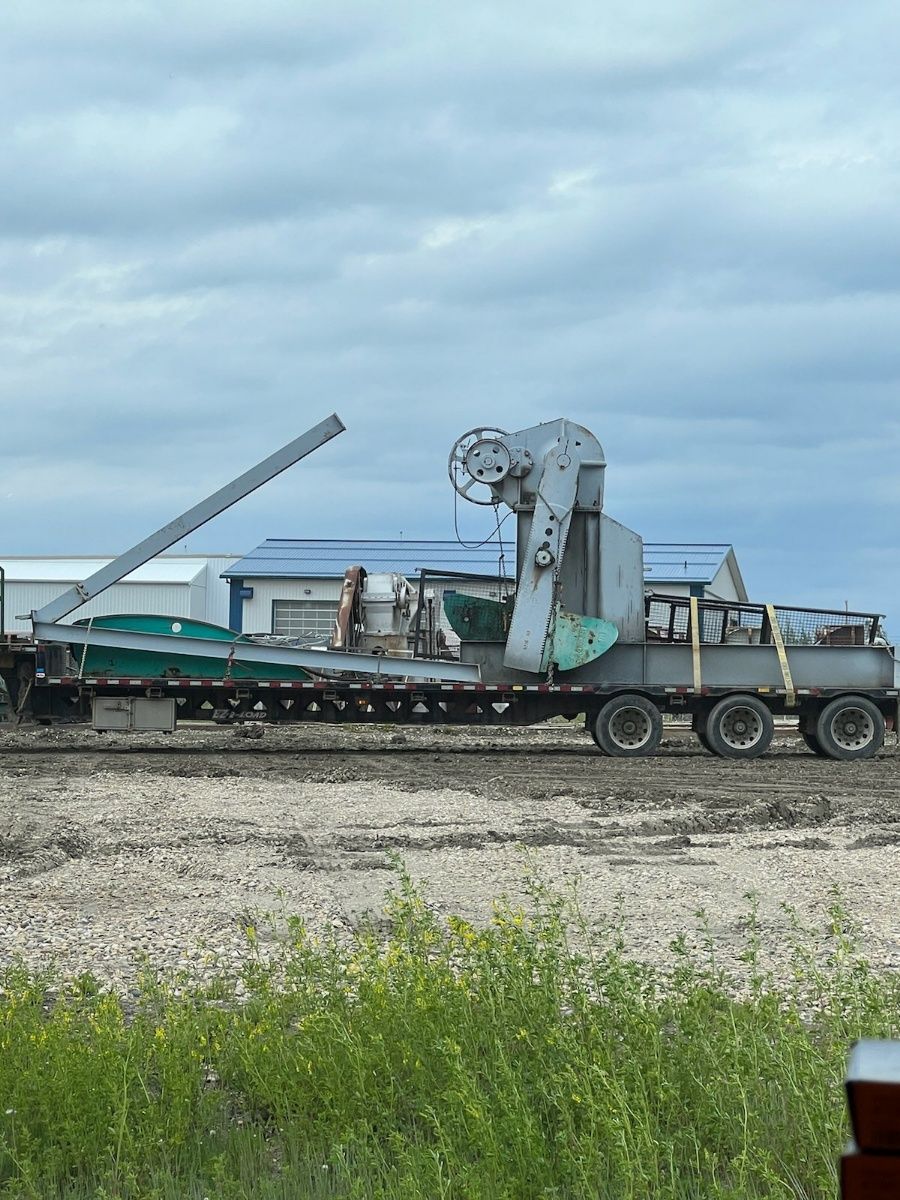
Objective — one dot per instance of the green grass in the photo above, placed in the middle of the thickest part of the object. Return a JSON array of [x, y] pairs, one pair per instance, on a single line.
[[442, 1060]]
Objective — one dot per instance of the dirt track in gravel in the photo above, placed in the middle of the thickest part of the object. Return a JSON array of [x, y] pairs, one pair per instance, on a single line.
[[111, 849]]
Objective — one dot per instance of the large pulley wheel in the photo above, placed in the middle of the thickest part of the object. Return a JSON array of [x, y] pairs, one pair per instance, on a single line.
[[850, 728], [477, 460], [739, 727], [628, 726]]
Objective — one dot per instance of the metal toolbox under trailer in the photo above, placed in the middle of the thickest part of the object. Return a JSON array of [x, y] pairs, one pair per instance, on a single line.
[[133, 714]]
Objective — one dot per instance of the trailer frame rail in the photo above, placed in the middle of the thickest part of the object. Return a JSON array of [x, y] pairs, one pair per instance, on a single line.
[[68, 698]]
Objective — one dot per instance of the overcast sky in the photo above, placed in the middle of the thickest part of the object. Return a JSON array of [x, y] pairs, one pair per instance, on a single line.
[[676, 223]]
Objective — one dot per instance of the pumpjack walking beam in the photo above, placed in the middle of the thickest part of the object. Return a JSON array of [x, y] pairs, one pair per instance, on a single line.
[[157, 542], [44, 620]]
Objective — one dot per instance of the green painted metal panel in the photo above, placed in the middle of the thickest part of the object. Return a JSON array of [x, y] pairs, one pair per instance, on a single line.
[[578, 640], [477, 619], [146, 664], [575, 639]]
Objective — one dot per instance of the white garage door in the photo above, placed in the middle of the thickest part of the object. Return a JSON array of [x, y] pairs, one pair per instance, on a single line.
[[304, 618]]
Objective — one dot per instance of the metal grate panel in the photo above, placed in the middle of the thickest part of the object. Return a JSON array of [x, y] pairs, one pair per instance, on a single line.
[[726, 623]]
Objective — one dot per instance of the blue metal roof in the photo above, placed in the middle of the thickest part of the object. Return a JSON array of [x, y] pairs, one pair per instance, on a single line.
[[675, 562], [311, 558]]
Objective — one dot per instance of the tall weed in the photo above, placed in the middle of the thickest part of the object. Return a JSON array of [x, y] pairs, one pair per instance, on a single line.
[[527, 1058]]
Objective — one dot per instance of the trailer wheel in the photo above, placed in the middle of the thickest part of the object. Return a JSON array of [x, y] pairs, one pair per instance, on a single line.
[[739, 727], [628, 726], [813, 743], [591, 725], [698, 727], [849, 728]]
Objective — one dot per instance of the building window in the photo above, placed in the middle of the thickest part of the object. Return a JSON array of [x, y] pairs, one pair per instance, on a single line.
[[303, 618]]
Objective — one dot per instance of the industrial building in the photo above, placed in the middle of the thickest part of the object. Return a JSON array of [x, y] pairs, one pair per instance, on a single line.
[[172, 585], [709, 571], [291, 586]]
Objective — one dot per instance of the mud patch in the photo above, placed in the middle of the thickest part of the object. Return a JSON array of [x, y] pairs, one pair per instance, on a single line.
[[29, 848], [541, 835], [804, 843], [667, 846], [813, 811], [878, 837], [115, 848]]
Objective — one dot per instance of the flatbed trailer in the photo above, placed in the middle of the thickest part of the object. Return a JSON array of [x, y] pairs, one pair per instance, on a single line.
[[365, 702], [580, 636], [338, 702]]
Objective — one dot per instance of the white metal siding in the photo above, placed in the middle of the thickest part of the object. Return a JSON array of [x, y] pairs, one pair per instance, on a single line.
[[723, 584], [197, 600], [218, 592], [205, 597], [258, 611], [665, 588], [166, 599]]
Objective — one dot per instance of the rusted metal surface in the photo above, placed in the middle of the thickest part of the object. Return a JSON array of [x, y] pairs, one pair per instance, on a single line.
[[349, 620]]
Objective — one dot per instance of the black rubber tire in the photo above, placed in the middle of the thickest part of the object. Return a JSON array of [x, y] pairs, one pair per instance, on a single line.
[[698, 727], [850, 728], [591, 726], [813, 743], [704, 740], [621, 735], [724, 724]]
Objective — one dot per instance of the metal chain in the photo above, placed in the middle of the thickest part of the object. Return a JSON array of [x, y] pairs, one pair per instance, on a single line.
[[20, 707], [501, 559], [556, 601], [84, 649], [551, 624]]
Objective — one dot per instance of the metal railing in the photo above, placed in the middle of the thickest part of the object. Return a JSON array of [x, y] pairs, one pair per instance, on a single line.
[[722, 622], [726, 622], [431, 631]]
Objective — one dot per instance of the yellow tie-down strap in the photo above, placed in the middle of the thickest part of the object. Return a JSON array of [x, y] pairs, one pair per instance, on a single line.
[[790, 697], [695, 642]]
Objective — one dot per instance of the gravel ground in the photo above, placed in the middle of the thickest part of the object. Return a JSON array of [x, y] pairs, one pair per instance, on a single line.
[[112, 850]]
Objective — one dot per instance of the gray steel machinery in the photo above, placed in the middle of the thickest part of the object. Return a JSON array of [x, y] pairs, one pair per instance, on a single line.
[[575, 634]]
